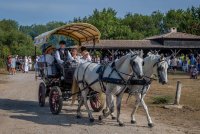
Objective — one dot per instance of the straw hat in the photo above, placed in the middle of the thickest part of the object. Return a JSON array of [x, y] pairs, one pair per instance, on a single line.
[[49, 49]]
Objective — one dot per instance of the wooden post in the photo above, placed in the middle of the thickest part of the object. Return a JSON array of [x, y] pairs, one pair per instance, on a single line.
[[178, 93]]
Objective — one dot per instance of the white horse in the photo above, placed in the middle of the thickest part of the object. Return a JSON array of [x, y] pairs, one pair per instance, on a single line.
[[113, 77], [153, 65]]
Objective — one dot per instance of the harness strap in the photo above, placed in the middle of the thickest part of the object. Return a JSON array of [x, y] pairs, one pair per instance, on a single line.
[[118, 73], [100, 78], [84, 73], [88, 85]]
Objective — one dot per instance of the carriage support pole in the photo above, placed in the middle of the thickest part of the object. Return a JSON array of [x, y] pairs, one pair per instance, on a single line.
[[178, 93]]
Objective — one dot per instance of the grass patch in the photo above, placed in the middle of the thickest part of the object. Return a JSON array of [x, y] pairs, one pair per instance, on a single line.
[[162, 99]]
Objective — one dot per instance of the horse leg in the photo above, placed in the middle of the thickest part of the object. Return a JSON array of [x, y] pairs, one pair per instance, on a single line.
[[137, 102], [84, 95], [79, 115], [150, 123], [112, 115], [139, 97], [119, 100], [109, 105], [105, 110]]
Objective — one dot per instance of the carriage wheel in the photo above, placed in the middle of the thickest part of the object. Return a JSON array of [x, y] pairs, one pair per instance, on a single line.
[[41, 94], [97, 102], [55, 100]]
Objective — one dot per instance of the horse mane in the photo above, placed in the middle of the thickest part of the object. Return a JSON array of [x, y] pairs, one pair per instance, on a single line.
[[150, 57], [121, 60]]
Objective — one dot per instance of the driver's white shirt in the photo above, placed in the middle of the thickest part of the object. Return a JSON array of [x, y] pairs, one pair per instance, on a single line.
[[58, 59]]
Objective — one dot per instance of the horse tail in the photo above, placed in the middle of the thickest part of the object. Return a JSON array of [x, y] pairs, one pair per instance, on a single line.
[[74, 90]]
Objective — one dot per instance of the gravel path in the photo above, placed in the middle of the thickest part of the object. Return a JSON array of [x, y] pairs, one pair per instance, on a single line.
[[20, 114]]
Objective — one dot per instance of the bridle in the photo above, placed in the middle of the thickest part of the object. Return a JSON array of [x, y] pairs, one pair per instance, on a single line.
[[159, 68], [133, 57]]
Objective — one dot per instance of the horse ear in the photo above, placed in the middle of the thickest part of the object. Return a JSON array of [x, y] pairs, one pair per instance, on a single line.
[[156, 52], [149, 53], [161, 57], [130, 51], [140, 53]]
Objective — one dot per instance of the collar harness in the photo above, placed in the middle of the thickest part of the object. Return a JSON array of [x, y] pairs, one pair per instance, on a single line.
[[104, 80]]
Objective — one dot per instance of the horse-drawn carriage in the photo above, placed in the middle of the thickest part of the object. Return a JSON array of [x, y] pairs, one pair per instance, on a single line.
[[55, 86], [92, 79]]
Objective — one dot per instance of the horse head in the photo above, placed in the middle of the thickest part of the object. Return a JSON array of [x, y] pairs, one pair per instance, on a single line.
[[162, 67], [136, 62]]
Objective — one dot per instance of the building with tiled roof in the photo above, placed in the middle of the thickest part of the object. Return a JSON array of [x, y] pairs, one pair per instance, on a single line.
[[170, 42]]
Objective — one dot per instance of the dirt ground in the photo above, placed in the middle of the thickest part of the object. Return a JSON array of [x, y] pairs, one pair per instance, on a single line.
[[20, 113]]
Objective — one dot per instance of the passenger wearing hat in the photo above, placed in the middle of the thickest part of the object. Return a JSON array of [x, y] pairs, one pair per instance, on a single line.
[[85, 57], [61, 55]]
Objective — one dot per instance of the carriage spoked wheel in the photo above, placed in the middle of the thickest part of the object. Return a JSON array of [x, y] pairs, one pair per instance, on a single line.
[[97, 101], [41, 94], [55, 100]]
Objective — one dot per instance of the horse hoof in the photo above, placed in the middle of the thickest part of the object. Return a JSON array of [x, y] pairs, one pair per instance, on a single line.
[[121, 124], [133, 122], [100, 118], [104, 112], [92, 120], [113, 118], [150, 125], [78, 116]]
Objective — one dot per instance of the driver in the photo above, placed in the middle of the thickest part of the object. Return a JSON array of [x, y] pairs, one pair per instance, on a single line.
[[61, 55]]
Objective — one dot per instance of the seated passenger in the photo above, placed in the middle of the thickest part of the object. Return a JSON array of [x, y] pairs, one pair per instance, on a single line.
[[61, 55], [46, 63], [75, 55], [85, 57]]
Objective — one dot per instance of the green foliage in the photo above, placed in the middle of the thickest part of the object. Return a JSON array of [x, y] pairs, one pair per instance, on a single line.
[[2, 63], [97, 53], [162, 99], [13, 42]]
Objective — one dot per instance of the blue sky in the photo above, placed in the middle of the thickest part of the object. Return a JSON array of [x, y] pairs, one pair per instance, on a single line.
[[28, 12]]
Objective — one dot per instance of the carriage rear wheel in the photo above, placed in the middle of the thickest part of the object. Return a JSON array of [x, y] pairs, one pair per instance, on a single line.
[[41, 94], [97, 101], [55, 100]]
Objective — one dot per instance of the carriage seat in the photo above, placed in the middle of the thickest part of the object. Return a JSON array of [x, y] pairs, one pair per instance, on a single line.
[[47, 67]]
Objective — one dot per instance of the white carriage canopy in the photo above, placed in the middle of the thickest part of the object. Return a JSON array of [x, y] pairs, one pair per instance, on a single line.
[[81, 32]]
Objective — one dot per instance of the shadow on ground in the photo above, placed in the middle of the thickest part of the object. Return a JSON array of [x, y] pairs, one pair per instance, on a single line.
[[30, 111]]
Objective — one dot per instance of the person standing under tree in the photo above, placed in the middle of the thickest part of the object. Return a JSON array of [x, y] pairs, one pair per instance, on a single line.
[[26, 65], [174, 63], [9, 64], [13, 65]]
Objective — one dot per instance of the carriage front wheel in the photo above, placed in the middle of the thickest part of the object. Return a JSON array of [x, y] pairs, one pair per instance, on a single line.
[[41, 94], [55, 100], [97, 101]]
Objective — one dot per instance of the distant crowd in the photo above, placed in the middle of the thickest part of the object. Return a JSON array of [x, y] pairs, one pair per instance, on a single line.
[[18, 63], [188, 63], [184, 62]]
